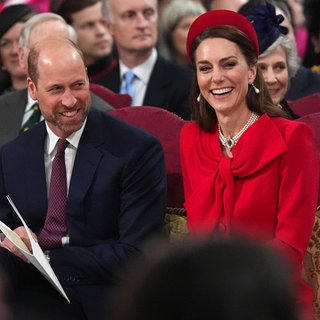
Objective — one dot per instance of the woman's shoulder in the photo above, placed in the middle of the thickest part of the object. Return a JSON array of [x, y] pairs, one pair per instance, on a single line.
[[286, 124], [192, 127], [289, 128]]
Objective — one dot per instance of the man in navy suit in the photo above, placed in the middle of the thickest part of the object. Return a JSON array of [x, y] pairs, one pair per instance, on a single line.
[[158, 82], [116, 191], [16, 107]]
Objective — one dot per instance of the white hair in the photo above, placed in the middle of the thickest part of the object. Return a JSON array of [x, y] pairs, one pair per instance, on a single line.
[[292, 58], [106, 9], [31, 23]]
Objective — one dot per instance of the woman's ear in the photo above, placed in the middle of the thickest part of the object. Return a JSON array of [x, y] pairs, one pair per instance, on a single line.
[[252, 73]]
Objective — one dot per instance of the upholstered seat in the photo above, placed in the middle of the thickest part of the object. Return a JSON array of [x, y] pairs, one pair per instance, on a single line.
[[116, 100], [306, 105], [166, 127], [176, 225], [311, 261], [313, 120], [311, 265]]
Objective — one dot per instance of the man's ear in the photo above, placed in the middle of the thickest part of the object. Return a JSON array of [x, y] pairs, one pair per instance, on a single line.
[[109, 27], [32, 89], [21, 54]]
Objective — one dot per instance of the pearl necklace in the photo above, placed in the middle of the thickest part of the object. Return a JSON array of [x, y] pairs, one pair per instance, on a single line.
[[230, 142]]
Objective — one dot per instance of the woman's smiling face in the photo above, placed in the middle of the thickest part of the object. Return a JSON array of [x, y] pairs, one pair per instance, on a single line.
[[223, 74]]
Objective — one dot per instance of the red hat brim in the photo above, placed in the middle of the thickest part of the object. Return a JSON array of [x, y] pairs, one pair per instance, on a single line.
[[221, 17]]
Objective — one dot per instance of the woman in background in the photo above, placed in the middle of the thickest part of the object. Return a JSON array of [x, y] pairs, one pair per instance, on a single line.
[[12, 19], [175, 22], [278, 58]]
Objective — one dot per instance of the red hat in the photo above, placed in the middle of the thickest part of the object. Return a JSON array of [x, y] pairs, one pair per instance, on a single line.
[[215, 18]]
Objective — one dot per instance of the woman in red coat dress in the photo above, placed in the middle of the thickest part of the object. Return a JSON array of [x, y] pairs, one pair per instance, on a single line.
[[246, 168]]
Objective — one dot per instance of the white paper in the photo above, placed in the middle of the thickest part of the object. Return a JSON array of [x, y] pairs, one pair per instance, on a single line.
[[36, 257]]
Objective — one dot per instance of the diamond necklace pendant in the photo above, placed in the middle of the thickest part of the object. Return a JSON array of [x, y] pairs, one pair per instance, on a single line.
[[230, 142]]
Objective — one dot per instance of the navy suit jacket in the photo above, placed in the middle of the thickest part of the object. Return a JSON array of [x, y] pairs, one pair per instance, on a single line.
[[304, 83], [12, 108], [116, 199], [168, 88]]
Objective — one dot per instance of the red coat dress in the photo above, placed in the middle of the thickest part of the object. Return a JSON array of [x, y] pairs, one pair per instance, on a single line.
[[267, 191]]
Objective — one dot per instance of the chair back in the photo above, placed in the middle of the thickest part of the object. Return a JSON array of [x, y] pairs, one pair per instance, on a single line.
[[306, 105], [313, 120], [166, 126], [116, 100], [311, 265]]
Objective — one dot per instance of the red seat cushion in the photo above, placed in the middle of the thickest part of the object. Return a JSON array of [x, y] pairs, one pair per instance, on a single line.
[[313, 120], [116, 100], [306, 105], [166, 127]]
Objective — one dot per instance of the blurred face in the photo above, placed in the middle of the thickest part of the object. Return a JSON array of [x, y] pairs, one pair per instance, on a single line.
[[286, 23], [229, 5], [134, 24], [223, 75], [40, 32], [62, 90], [94, 38], [297, 12], [180, 33], [275, 73], [9, 50]]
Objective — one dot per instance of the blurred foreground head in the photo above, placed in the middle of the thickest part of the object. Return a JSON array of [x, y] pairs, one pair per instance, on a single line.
[[221, 280]]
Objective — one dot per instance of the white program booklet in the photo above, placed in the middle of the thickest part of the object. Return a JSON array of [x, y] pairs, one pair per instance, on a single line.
[[36, 257]]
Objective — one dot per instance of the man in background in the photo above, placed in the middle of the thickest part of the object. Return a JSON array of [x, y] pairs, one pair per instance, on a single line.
[[18, 107], [94, 38], [153, 80]]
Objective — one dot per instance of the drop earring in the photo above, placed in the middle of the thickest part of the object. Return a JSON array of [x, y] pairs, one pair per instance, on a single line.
[[256, 90], [199, 96]]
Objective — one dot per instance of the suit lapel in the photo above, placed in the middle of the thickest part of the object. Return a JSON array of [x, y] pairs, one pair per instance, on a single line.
[[156, 93], [87, 159], [34, 178]]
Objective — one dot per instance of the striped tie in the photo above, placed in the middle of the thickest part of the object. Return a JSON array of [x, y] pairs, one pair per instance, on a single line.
[[34, 118]]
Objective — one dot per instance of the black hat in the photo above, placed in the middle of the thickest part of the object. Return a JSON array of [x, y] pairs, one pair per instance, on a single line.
[[12, 14], [267, 24]]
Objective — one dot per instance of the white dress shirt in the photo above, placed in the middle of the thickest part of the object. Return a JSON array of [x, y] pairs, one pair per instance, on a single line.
[[143, 73], [50, 150]]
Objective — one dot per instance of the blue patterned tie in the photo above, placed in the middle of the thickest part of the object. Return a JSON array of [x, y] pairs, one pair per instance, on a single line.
[[127, 86]]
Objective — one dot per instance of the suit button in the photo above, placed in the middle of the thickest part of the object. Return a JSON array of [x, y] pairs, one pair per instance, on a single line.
[[70, 279]]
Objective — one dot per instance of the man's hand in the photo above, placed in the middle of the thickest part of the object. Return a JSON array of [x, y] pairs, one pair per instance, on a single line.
[[7, 244]]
